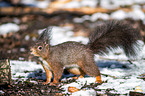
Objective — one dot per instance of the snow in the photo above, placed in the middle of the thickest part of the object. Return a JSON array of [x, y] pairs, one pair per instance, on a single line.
[[135, 14], [27, 37], [78, 20], [1, 92], [89, 3], [40, 4], [124, 85], [8, 27], [108, 4], [72, 4], [113, 4], [97, 16], [22, 49], [139, 1], [89, 92], [19, 68], [119, 15]]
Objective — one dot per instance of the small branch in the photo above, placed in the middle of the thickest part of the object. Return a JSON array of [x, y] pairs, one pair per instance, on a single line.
[[50, 11], [130, 61], [109, 76], [5, 72]]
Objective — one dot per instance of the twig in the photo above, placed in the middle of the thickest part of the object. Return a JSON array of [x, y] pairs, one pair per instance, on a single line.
[[130, 61], [51, 11], [109, 76]]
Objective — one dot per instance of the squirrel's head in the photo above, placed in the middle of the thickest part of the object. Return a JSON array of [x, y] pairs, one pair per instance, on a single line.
[[42, 46], [40, 49]]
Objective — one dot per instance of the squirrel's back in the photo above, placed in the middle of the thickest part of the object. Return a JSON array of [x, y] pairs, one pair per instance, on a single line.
[[70, 52]]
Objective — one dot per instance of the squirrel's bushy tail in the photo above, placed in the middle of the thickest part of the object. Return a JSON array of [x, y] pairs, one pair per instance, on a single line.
[[114, 34]]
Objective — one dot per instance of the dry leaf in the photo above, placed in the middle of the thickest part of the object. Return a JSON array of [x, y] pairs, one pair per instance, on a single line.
[[73, 89]]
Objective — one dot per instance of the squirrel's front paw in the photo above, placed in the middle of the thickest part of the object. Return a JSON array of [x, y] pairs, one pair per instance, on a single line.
[[44, 83], [53, 84]]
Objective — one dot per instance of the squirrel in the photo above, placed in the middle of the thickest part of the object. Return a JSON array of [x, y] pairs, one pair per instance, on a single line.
[[78, 58]]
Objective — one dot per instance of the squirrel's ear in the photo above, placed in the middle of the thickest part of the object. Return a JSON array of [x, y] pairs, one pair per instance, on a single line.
[[45, 35], [47, 46]]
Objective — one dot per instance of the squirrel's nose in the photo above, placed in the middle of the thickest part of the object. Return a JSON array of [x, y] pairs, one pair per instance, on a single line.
[[32, 50]]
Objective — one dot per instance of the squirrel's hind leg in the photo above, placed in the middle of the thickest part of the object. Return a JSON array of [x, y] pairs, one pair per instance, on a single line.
[[76, 71], [57, 71], [82, 74], [90, 68]]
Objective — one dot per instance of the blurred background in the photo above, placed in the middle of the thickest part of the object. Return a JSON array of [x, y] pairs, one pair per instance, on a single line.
[[21, 21]]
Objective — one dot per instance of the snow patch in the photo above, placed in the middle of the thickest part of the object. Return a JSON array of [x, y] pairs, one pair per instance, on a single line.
[[119, 15], [9, 27]]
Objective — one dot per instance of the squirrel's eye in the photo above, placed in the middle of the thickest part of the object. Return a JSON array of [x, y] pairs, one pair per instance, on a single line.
[[40, 48]]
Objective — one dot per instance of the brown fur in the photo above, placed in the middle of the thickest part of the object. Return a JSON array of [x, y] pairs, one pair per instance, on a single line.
[[78, 58]]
